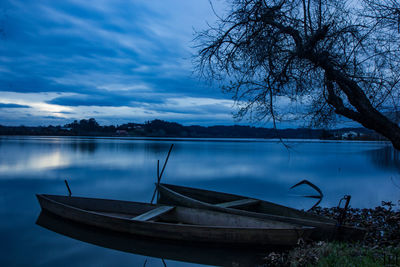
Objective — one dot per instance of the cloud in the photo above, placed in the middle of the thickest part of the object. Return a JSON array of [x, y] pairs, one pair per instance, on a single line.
[[10, 105], [109, 99], [89, 100], [74, 59], [35, 85], [195, 106]]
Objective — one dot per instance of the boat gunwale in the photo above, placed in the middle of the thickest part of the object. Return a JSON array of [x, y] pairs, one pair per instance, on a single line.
[[218, 208], [216, 227], [315, 222]]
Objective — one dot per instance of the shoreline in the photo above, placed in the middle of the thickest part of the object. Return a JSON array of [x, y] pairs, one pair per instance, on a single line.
[[197, 139], [380, 246]]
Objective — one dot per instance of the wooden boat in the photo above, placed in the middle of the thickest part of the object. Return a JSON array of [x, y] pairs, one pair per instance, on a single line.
[[163, 249], [326, 229], [173, 223]]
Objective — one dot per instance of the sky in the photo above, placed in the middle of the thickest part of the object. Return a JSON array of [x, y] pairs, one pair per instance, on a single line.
[[115, 61]]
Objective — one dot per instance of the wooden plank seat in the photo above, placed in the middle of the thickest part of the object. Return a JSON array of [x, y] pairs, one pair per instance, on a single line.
[[154, 213], [238, 203]]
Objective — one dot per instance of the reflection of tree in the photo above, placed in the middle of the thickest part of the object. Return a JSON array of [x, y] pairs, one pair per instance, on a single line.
[[385, 158], [157, 147], [89, 146]]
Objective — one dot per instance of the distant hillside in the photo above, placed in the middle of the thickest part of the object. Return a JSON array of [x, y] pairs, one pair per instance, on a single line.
[[160, 128]]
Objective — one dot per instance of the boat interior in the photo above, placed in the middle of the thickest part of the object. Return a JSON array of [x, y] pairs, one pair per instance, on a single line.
[[242, 203], [137, 211]]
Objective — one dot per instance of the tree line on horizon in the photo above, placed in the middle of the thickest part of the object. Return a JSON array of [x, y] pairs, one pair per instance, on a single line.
[[160, 128]]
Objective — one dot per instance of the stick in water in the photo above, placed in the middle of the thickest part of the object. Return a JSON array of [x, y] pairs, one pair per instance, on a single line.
[[162, 171], [165, 163], [69, 189], [316, 188]]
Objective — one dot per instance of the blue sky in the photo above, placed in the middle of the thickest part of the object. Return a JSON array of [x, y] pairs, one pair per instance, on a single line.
[[116, 61]]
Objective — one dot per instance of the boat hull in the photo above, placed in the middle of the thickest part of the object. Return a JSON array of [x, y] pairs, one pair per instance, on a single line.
[[163, 249], [326, 229], [96, 212]]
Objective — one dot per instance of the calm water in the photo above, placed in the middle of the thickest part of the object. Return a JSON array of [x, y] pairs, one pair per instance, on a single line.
[[126, 169]]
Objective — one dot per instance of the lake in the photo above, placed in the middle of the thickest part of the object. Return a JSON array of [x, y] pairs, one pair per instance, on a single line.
[[126, 169]]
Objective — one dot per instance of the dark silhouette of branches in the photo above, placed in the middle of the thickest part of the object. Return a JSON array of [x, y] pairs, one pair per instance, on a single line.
[[317, 59]]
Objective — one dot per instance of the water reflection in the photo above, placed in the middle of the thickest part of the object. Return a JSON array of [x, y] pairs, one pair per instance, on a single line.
[[86, 146], [385, 158], [126, 169], [157, 147], [50, 160], [186, 252]]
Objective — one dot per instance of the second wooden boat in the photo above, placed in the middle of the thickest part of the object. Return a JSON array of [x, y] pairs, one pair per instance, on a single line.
[[326, 229], [173, 223]]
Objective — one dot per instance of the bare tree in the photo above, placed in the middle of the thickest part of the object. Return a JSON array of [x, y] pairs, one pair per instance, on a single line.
[[386, 13], [317, 58]]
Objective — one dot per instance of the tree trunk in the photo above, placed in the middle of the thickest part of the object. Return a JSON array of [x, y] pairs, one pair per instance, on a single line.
[[364, 112]]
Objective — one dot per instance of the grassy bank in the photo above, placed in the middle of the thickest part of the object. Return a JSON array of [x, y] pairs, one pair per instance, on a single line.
[[342, 254], [336, 254], [380, 246]]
